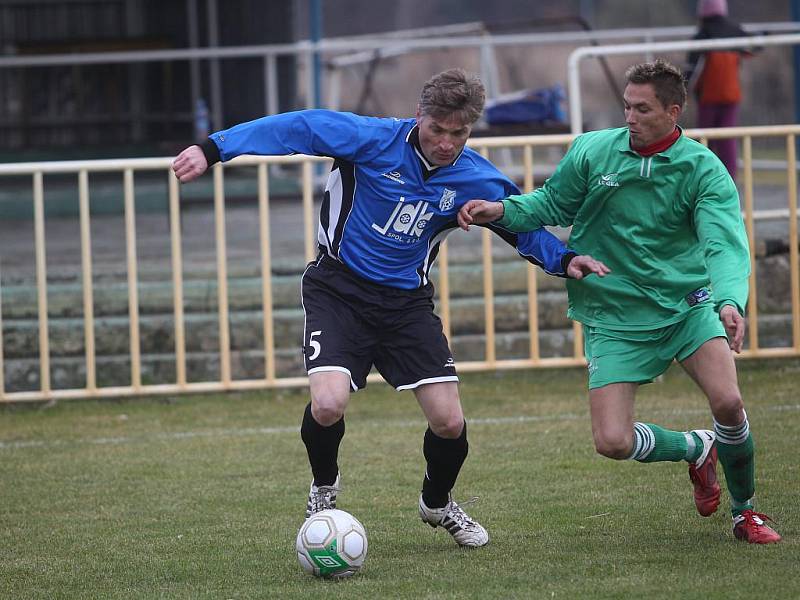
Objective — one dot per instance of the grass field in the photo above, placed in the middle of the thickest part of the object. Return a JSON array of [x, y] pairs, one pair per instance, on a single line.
[[201, 497]]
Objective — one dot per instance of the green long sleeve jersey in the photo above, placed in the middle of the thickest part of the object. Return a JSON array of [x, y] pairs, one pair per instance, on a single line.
[[668, 226]]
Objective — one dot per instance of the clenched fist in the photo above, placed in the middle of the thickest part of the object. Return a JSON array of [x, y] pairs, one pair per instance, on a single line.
[[190, 164]]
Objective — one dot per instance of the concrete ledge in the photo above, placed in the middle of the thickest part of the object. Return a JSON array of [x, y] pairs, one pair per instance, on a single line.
[[20, 323], [110, 294], [22, 374], [156, 332]]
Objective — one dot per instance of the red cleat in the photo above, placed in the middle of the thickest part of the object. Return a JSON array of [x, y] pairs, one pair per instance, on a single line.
[[750, 527], [703, 473]]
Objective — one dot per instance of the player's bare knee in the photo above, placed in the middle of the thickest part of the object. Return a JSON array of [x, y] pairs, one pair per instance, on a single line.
[[618, 448], [448, 429], [327, 415], [327, 408], [729, 409]]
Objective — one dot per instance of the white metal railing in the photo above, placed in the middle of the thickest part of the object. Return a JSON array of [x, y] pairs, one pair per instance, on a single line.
[[359, 47], [271, 378], [127, 167], [575, 58], [341, 45]]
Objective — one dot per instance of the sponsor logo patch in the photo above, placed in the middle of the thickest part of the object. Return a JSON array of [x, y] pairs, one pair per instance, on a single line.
[[697, 296], [394, 176], [407, 222], [610, 180]]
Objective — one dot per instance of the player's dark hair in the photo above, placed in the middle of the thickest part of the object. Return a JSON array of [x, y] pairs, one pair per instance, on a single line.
[[453, 93], [666, 79]]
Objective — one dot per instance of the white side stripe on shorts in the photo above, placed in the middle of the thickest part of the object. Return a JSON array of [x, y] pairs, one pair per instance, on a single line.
[[333, 368], [411, 386]]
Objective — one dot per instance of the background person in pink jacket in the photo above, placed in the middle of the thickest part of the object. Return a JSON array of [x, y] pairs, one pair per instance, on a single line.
[[714, 78]]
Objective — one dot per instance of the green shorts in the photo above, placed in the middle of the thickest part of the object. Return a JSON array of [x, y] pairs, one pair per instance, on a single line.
[[640, 356]]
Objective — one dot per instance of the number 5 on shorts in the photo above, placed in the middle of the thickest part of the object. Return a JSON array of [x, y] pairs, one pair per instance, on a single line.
[[314, 344]]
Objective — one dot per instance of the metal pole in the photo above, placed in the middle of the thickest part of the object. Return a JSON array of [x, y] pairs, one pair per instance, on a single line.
[[136, 75], [194, 42], [315, 25], [270, 85], [796, 55], [586, 11], [216, 80], [489, 67]]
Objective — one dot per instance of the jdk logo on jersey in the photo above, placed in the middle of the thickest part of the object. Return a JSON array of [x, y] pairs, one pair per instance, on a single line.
[[409, 219]]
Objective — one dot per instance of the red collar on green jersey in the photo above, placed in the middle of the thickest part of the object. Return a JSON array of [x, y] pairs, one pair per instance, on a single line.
[[660, 145]]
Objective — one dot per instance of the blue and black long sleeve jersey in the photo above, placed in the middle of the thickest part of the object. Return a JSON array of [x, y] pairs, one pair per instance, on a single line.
[[386, 209]]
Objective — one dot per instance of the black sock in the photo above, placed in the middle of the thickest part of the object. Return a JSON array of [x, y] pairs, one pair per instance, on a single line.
[[444, 458], [322, 445]]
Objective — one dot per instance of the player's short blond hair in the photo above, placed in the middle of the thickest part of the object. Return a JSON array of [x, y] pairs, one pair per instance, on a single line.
[[453, 93]]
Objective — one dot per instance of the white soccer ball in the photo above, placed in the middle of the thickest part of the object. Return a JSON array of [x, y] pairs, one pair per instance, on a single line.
[[331, 543]]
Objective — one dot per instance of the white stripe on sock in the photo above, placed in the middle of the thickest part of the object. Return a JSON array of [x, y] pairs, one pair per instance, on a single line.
[[732, 434], [637, 444], [645, 441]]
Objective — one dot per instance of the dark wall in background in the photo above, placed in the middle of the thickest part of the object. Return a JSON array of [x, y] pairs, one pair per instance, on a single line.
[[130, 108], [137, 109], [255, 22]]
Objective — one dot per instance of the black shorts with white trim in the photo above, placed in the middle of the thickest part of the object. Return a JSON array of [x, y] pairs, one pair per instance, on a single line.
[[352, 325]]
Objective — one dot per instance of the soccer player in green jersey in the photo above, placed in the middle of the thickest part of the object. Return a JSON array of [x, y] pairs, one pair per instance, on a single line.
[[662, 212]]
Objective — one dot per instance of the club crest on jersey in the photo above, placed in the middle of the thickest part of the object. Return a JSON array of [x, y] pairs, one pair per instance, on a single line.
[[448, 200]]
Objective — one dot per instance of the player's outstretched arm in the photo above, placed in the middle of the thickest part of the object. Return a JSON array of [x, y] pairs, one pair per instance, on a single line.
[[582, 265], [190, 164], [478, 212], [734, 326]]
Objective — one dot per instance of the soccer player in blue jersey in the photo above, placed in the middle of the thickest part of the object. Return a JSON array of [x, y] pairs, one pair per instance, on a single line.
[[391, 199]]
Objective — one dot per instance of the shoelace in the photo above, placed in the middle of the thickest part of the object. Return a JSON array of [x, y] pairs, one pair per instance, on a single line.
[[321, 499], [761, 516], [459, 516]]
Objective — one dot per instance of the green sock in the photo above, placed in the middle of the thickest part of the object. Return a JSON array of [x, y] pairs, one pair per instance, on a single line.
[[738, 463], [656, 444]]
